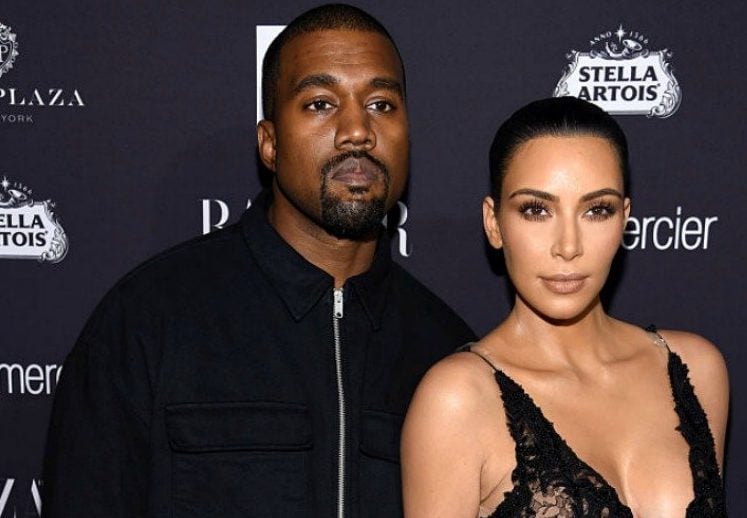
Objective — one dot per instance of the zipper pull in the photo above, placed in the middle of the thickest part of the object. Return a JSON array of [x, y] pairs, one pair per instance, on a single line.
[[337, 294]]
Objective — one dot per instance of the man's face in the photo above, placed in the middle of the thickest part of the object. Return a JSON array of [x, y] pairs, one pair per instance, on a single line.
[[339, 141]]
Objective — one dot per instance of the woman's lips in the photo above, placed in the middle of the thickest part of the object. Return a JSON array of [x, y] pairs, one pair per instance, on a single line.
[[564, 284]]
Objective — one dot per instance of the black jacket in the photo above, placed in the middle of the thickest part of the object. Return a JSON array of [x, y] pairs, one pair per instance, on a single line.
[[206, 385]]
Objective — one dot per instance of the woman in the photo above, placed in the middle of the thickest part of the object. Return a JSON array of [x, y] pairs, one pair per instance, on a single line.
[[563, 410]]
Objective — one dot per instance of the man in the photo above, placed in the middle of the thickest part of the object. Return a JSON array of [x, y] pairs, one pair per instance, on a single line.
[[264, 370]]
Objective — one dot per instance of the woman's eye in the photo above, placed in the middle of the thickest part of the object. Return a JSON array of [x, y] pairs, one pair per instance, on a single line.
[[600, 211], [534, 211]]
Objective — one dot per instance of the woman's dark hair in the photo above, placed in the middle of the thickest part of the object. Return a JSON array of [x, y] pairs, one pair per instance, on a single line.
[[553, 117]]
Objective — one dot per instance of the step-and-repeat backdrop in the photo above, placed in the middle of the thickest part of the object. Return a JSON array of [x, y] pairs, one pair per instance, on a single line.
[[126, 127]]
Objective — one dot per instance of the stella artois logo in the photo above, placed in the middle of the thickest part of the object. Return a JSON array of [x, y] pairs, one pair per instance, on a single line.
[[29, 229], [621, 75]]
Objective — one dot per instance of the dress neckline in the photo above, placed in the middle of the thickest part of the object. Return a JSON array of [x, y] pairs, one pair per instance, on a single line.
[[502, 378]]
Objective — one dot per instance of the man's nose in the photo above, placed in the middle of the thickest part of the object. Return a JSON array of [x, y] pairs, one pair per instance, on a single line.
[[354, 129]]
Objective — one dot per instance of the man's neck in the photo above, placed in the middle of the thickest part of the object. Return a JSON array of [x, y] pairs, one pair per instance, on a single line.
[[340, 258]]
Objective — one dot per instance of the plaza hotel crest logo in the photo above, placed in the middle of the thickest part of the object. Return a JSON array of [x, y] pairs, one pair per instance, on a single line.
[[623, 76], [8, 49], [29, 229], [13, 98]]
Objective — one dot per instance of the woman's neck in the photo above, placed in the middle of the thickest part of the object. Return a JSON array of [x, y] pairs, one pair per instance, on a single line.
[[581, 342]]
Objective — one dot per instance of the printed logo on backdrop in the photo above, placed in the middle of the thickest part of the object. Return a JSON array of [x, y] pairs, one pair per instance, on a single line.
[[20, 498], [33, 379], [621, 75], [8, 49], [29, 229], [265, 35], [676, 231], [15, 102], [216, 214]]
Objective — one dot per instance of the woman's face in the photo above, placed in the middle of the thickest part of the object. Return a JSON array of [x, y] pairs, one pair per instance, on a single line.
[[560, 222]]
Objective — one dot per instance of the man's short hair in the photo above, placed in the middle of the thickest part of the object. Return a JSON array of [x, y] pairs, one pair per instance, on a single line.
[[325, 17]]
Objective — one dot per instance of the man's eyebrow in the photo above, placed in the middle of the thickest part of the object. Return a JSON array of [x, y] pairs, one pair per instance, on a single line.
[[534, 192], [326, 80], [313, 81], [600, 193], [388, 84]]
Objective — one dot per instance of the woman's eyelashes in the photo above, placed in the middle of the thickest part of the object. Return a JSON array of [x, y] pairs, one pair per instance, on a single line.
[[534, 210], [601, 210], [539, 210]]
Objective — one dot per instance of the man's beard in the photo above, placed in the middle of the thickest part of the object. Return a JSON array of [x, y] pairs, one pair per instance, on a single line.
[[353, 219]]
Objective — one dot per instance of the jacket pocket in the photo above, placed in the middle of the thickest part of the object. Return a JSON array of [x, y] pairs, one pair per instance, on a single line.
[[239, 459], [380, 481]]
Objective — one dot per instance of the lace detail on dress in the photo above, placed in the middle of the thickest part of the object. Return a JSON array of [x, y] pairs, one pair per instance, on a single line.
[[707, 484], [551, 481]]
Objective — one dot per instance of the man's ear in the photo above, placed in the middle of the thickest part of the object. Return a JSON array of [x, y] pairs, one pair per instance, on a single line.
[[267, 143], [490, 223]]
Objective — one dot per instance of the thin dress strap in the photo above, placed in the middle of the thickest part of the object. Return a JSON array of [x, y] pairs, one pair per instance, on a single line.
[[657, 338], [467, 348]]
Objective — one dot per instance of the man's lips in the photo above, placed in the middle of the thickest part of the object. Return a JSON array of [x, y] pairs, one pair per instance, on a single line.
[[564, 283], [356, 172]]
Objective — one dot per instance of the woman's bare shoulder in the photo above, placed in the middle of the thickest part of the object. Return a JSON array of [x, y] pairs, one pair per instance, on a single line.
[[702, 357], [453, 433], [455, 386]]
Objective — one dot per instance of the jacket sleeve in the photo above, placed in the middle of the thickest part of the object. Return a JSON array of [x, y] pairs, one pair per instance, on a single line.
[[96, 462]]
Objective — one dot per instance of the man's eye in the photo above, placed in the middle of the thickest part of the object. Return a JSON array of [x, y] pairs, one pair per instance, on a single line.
[[319, 105], [381, 106]]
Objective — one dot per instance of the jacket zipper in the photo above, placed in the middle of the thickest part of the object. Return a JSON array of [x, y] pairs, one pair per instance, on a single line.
[[337, 315]]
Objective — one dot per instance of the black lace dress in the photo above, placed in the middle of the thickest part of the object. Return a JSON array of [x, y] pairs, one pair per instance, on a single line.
[[551, 481]]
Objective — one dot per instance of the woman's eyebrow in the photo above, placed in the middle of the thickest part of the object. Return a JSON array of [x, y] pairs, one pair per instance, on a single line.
[[551, 197], [602, 192], [534, 192]]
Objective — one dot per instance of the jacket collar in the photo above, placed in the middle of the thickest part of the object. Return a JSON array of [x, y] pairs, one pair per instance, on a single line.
[[299, 283]]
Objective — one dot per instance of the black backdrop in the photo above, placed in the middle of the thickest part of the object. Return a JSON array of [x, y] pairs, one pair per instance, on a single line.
[[155, 141]]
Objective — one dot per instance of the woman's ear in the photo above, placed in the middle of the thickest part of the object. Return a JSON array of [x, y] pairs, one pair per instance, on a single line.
[[490, 223], [266, 143]]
